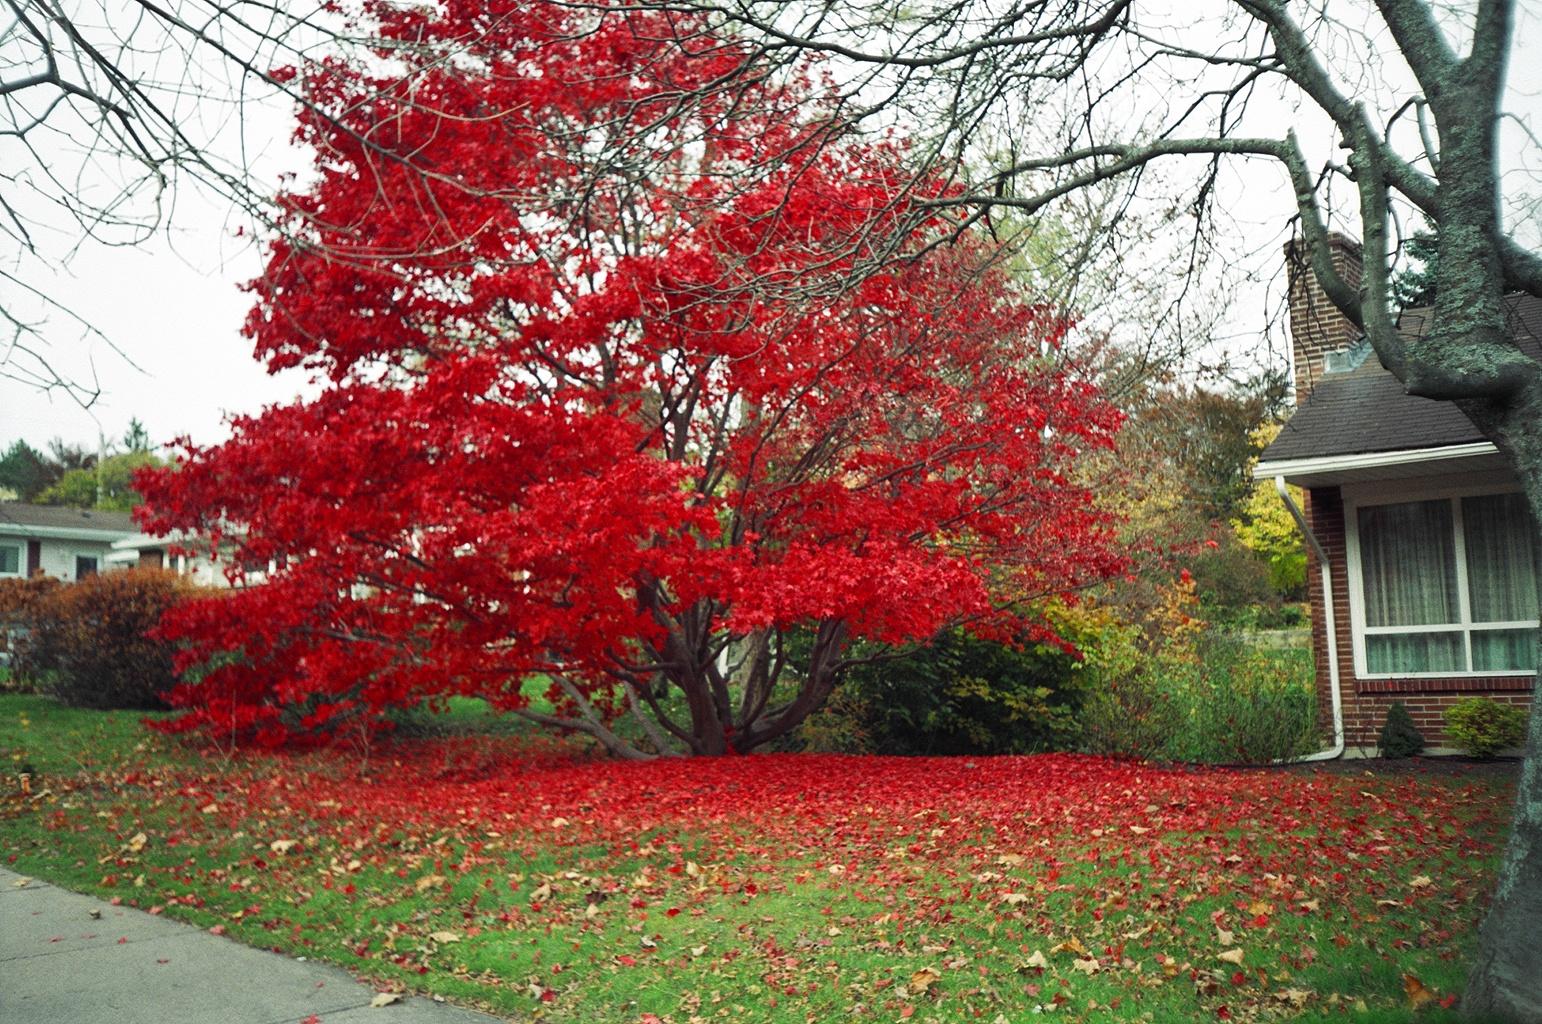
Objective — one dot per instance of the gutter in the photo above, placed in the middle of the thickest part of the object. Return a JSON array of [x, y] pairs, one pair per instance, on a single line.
[[1329, 620], [84, 534], [1357, 463]]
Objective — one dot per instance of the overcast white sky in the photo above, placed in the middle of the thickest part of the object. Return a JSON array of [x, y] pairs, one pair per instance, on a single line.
[[175, 308]]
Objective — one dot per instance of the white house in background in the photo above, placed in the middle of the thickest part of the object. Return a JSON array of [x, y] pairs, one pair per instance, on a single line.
[[67, 543], [141, 549]]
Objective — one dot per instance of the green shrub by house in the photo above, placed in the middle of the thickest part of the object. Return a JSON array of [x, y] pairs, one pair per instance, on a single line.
[[1399, 736], [1169, 686], [1483, 727]]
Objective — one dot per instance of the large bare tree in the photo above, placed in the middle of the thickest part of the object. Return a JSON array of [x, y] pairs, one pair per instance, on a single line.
[[111, 113], [1046, 99]]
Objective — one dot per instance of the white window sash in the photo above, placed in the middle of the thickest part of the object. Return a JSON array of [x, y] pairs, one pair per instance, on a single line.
[[1382, 495]]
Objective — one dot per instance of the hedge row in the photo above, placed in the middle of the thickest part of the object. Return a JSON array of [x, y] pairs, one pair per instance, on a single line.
[[91, 643]]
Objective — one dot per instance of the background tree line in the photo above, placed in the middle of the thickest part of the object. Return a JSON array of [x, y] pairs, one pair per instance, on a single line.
[[64, 473]]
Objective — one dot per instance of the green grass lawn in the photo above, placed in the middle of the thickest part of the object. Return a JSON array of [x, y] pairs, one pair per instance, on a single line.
[[526, 876]]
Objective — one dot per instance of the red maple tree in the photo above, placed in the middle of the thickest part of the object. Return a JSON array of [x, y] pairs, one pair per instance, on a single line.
[[660, 402]]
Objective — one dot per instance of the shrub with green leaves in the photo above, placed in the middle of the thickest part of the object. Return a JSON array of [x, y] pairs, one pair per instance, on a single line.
[[1399, 736], [1175, 688], [1483, 727], [960, 694]]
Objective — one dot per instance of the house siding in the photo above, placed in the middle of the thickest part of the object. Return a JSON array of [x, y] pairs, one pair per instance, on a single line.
[[1365, 701], [53, 557]]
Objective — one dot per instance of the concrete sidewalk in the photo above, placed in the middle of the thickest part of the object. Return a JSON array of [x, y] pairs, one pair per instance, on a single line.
[[61, 965]]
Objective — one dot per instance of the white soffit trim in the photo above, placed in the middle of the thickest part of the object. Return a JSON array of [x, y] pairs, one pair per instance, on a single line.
[[1326, 467]]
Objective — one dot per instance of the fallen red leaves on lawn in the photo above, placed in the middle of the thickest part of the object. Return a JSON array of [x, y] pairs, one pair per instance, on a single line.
[[1068, 881]]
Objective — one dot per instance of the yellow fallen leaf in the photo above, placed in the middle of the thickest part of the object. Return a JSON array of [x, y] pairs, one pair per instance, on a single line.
[[1088, 966], [1224, 937], [1011, 860], [443, 937], [541, 892], [1071, 945], [427, 882], [209, 809], [1036, 959], [1231, 956], [283, 846], [922, 981], [1013, 899], [1419, 994], [385, 999], [1310, 906], [1421, 882], [559, 822], [1139, 830], [138, 842], [1261, 908], [698, 950]]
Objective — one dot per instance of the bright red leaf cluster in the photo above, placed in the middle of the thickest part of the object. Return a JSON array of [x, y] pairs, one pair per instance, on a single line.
[[669, 402]]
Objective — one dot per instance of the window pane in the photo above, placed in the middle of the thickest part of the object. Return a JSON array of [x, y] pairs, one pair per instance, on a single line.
[[1414, 652], [1500, 558], [10, 559], [1408, 564], [1504, 650]]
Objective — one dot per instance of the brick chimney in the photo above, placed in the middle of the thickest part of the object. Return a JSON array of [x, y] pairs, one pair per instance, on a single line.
[[1317, 328]]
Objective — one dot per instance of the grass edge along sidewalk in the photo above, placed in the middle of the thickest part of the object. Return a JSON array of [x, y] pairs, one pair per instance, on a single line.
[[72, 959]]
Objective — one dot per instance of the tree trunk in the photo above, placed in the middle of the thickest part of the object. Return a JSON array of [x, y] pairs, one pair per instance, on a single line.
[[1506, 979]]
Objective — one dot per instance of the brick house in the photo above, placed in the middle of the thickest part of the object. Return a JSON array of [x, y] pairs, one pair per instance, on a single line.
[[1430, 591]]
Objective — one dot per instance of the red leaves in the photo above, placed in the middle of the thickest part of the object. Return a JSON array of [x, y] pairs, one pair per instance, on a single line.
[[969, 880], [571, 426]]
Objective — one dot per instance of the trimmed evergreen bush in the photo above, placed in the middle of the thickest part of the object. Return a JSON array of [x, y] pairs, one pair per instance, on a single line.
[[1399, 736]]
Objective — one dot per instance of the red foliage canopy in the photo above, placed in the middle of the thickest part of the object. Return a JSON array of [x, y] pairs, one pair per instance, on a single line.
[[621, 390]]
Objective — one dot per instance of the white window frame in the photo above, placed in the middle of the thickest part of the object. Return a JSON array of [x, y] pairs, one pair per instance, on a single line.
[[1360, 496]]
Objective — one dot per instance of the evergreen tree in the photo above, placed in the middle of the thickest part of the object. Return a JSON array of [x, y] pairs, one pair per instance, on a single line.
[[25, 472]]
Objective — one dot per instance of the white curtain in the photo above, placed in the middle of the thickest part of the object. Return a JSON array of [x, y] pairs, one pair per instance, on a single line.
[[1408, 563], [1504, 650], [1501, 558], [1415, 652]]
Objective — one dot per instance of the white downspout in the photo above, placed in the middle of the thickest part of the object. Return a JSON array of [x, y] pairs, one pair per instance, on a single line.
[[1336, 695]]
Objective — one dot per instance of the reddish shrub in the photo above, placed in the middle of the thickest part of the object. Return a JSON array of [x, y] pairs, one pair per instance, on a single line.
[[92, 640], [29, 656]]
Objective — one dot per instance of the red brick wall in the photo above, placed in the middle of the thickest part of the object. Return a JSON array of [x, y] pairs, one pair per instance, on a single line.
[[1316, 325], [1365, 701]]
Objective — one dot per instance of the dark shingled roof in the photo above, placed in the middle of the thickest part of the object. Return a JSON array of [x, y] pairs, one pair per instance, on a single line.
[[16, 514], [1366, 409]]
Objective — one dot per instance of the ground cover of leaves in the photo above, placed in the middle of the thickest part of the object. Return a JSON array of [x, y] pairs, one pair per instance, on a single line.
[[546, 885]]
